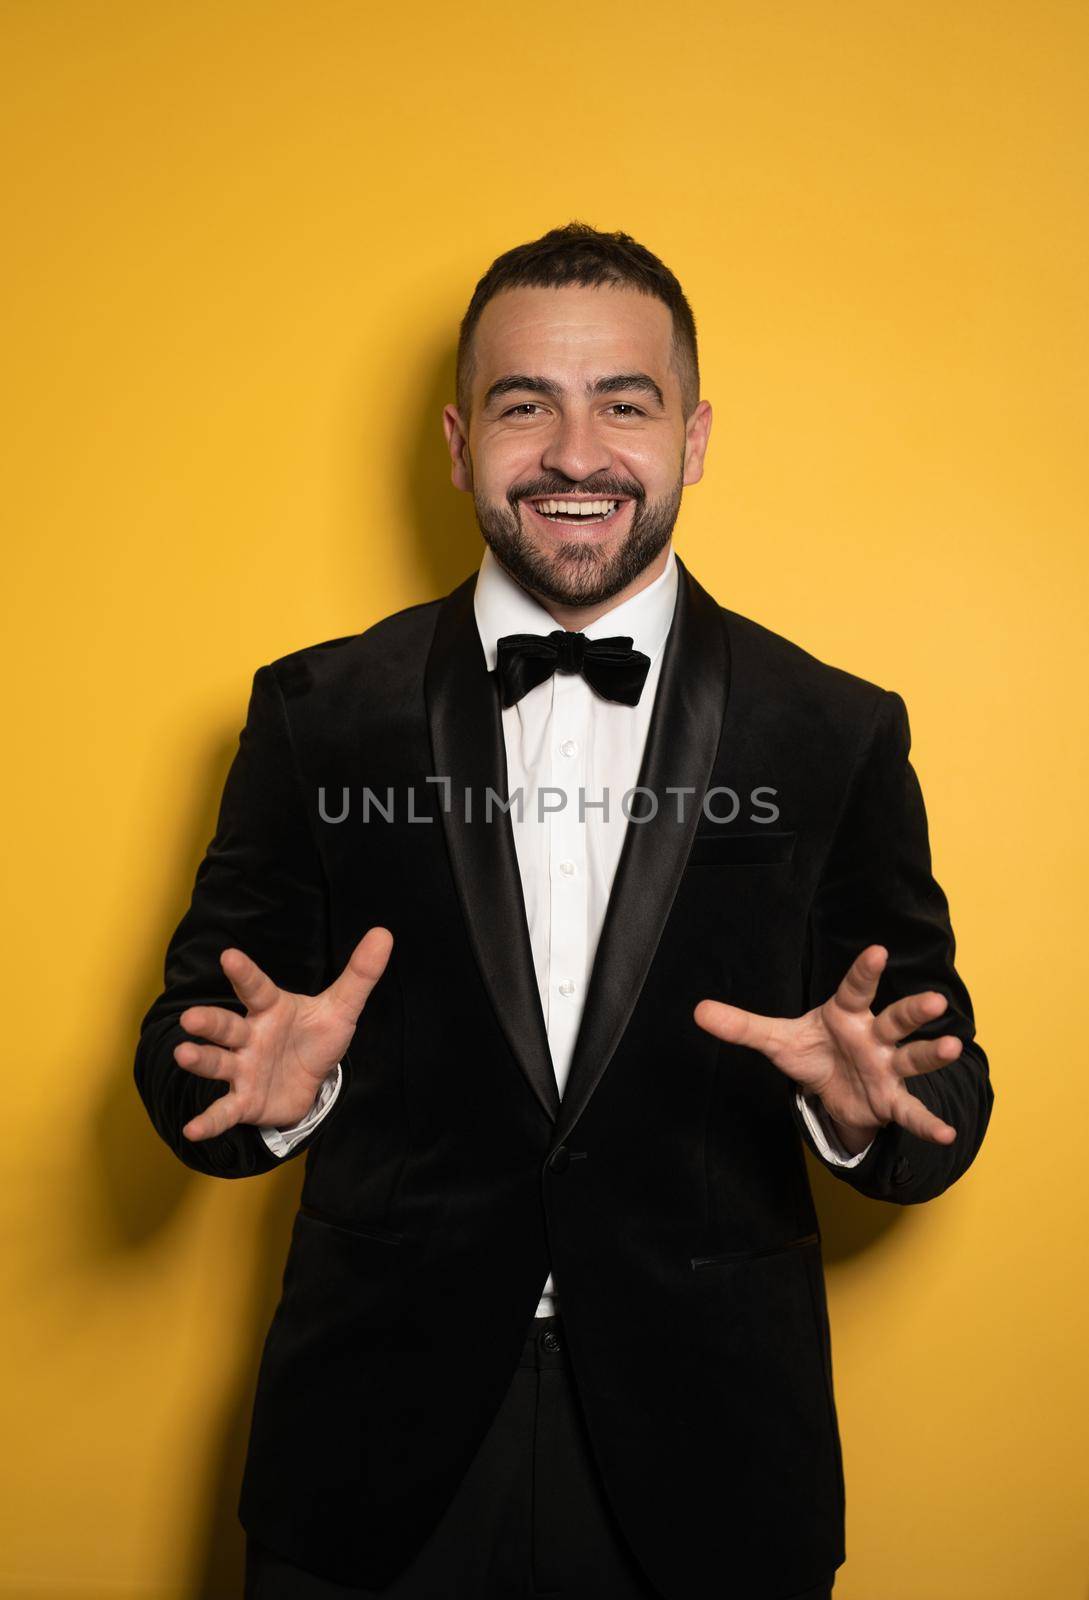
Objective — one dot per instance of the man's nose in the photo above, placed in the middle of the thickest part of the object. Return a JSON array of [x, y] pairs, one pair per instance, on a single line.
[[576, 450]]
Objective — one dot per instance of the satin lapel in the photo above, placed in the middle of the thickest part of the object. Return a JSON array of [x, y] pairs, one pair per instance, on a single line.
[[467, 747], [682, 740]]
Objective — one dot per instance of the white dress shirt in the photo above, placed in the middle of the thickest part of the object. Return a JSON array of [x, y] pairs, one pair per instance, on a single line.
[[561, 738]]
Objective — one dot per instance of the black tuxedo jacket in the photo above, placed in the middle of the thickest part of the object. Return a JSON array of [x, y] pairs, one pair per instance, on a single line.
[[668, 1191]]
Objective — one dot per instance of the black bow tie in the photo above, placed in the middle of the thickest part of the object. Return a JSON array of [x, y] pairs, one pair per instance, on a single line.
[[610, 666]]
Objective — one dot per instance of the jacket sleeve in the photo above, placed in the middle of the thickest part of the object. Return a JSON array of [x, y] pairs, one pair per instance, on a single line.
[[877, 888], [260, 888]]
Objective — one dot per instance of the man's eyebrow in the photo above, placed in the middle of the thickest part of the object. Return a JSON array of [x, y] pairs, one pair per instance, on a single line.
[[521, 382], [639, 382]]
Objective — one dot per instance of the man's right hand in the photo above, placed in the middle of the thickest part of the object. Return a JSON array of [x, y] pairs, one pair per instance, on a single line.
[[277, 1056]]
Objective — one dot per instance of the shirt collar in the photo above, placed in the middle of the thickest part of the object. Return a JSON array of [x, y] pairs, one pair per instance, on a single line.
[[502, 606]]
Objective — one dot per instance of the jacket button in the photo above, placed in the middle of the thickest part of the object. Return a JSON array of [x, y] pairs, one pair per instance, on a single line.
[[550, 1341], [558, 1160], [901, 1172]]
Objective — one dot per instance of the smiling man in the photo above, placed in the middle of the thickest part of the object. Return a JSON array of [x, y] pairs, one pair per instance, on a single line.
[[577, 465], [645, 909]]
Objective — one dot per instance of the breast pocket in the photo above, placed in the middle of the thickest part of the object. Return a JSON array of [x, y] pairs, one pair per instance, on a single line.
[[720, 848]]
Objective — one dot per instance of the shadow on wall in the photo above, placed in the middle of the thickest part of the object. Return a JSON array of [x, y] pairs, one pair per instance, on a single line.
[[446, 539], [446, 545], [142, 1187], [143, 1190]]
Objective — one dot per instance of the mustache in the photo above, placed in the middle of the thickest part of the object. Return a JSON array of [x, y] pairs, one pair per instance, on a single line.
[[555, 488]]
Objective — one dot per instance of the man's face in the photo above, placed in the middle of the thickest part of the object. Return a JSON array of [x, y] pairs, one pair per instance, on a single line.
[[576, 449]]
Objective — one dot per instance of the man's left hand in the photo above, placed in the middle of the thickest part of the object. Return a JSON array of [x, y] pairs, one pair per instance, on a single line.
[[848, 1056]]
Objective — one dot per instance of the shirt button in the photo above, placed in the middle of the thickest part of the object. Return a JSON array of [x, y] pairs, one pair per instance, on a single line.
[[567, 986], [568, 747], [567, 868]]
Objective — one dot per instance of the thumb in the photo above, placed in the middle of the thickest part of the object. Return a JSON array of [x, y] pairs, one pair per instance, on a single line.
[[748, 1028], [366, 964]]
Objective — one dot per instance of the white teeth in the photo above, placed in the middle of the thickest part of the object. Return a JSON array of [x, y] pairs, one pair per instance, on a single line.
[[576, 508]]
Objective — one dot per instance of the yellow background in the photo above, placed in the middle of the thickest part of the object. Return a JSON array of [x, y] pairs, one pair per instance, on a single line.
[[240, 238]]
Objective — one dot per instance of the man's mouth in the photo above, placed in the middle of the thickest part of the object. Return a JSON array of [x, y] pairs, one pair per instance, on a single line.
[[578, 512]]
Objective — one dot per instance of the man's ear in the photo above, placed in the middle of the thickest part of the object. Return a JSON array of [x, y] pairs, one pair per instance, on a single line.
[[457, 440], [697, 431]]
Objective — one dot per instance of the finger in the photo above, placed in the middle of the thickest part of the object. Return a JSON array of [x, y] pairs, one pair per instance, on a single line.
[[216, 1025], [220, 1115], [859, 983], [252, 986], [911, 1114], [366, 964], [924, 1055], [748, 1028], [206, 1060], [903, 1016]]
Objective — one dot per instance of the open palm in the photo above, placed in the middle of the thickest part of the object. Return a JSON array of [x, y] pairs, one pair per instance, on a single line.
[[276, 1057], [850, 1057]]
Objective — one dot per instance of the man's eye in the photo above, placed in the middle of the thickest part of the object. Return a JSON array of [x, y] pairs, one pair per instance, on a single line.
[[523, 408], [622, 405]]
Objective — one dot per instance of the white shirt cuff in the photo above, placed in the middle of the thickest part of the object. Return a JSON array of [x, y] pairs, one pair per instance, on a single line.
[[823, 1137], [281, 1141]]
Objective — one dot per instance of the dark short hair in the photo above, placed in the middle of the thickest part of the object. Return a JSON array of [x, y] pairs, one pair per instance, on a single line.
[[579, 254]]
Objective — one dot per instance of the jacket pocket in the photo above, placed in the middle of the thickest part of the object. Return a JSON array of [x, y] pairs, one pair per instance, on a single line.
[[725, 849], [728, 1256], [363, 1230]]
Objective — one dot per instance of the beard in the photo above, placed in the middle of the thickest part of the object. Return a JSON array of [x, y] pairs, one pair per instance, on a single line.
[[575, 573]]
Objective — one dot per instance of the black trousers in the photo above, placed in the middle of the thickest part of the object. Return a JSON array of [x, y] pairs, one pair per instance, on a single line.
[[529, 1520]]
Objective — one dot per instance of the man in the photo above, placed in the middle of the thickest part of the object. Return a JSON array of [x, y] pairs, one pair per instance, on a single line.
[[646, 903]]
